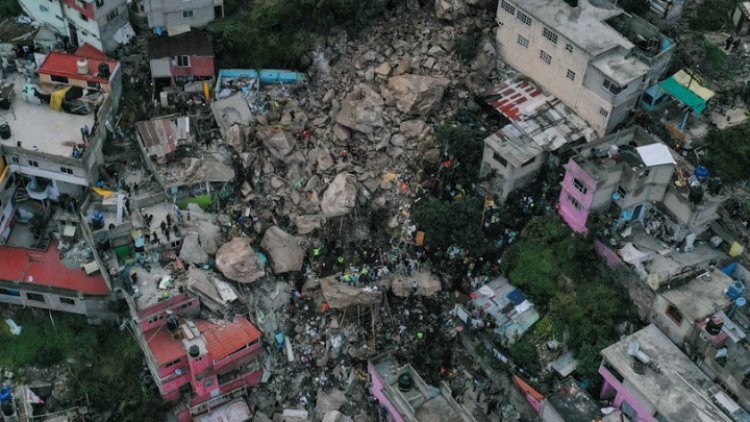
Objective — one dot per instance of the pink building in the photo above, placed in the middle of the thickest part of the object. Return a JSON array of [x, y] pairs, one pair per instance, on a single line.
[[630, 169], [196, 364], [404, 397], [649, 379]]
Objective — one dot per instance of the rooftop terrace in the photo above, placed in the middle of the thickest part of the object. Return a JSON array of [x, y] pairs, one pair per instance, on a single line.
[[37, 125]]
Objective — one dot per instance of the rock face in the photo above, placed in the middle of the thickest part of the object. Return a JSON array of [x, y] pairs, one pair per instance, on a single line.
[[279, 142], [362, 110], [340, 295], [340, 196], [449, 9], [427, 284], [417, 95], [238, 261], [283, 249], [192, 251]]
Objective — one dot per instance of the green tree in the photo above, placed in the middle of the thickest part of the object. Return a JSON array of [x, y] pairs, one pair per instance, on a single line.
[[452, 223], [465, 146], [728, 152]]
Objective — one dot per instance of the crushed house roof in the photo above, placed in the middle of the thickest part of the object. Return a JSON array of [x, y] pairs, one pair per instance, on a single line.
[[539, 123], [162, 136], [573, 403], [191, 43], [676, 389], [66, 65], [224, 339], [205, 167], [513, 313]]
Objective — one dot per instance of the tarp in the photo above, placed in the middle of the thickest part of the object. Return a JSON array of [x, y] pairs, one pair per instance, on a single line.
[[693, 97], [655, 154], [631, 254], [56, 99]]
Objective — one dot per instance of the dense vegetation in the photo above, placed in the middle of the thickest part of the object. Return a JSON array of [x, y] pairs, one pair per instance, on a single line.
[[464, 145], [277, 33], [9, 8], [452, 223], [712, 15], [581, 298], [100, 361], [728, 152]]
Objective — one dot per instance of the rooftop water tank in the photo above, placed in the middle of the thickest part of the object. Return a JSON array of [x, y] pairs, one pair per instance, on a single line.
[[103, 70], [194, 351], [701, 173], [83, 66], [405, 382], [713, 326], [4, 131], [735, 290]]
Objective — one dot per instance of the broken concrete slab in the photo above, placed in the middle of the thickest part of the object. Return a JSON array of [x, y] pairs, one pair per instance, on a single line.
[[329, 402], [336, 416], [340, 196], [417, 94], [340, 295], [362, 110], [307, 224], [427, 284], [238, 261], [284, 250], [411, 128]]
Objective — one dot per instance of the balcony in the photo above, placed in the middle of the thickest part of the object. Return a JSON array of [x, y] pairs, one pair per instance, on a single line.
[[39, 190]]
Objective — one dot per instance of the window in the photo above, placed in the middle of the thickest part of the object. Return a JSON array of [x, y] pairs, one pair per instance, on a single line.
[[580, 187], [67, 301], [522, 41], [187, 14], [83, 17], [674, 314], [174, 362], [551, 36], [503, 162], [66, 170], [36, 297], [113, 14], [94, 85], [507, 7], [183, 61], [603, 112], [33, 163], [613, 87], [60, 79], [523, 17], [621, 192], [10, 292], [14, 160], [568, 48], [43, 8], [571, 75], [545, 56], [575, 202]]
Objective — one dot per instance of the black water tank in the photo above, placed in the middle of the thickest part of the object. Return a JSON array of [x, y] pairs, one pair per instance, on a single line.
[[696, 194], [5, 131], [103, 70], [172, 323], [194, 351], [405, 382], [713, 326], [7, 409], [714, 185]]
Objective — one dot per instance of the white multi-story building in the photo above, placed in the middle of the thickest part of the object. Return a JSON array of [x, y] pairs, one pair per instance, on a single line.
[[177, 16], [594, 57], [104, 25]]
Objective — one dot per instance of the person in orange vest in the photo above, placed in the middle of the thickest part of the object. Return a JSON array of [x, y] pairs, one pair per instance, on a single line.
[[326, 307]]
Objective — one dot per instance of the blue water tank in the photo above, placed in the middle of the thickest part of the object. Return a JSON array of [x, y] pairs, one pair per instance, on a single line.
[[701, 173], [735, 290], [740, 302], [5, 394]]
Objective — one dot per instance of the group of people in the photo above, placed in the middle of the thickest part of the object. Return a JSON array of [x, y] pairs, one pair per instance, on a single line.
[[733, 43]]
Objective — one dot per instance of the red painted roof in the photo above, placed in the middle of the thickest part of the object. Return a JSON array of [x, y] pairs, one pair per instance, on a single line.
[[223, 340], [163, 346], [88, 50], [46, 269], [514, 93], [66, 65]]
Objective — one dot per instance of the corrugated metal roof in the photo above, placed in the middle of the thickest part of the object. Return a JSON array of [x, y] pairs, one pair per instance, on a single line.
[[162, 136]]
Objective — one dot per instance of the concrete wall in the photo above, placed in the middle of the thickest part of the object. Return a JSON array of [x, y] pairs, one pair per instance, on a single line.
[[95, 308], [377, 386], [613, 388], [49, 12], [168, 13], [510, 177], [677, 332], [576, 216], [641, 187], [688, 214]]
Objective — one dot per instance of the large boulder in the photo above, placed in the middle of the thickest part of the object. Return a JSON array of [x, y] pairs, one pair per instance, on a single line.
[[340, 295], [192, 251], [238, 261], [415, 94], [427, 284], [450, 9], [279, 142], [283, 249], [336, 416], [361, 110], [330, 402], [340, 196], [307, 224]]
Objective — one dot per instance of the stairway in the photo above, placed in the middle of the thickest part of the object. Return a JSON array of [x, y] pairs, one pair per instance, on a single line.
[[21, 195]]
